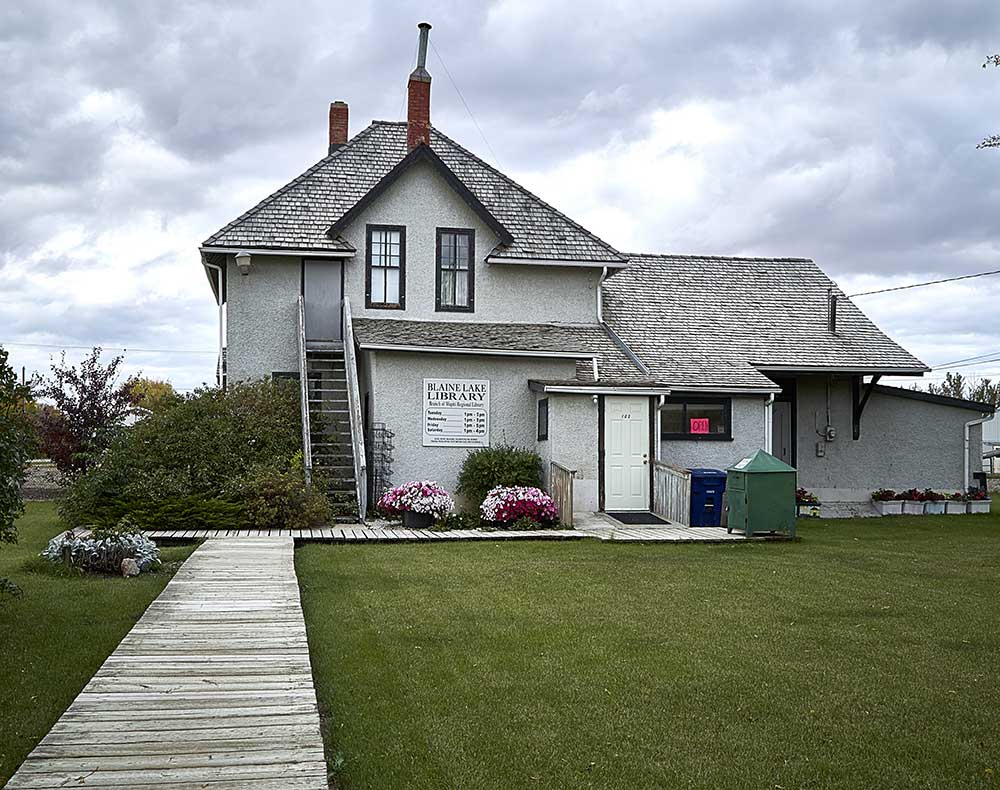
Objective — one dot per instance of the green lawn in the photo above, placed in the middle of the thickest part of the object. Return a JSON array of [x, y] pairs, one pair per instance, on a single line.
[[864, 656], [56, 634]]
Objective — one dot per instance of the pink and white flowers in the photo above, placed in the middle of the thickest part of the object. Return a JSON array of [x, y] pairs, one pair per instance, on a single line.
[[417, 496], [506, 504]]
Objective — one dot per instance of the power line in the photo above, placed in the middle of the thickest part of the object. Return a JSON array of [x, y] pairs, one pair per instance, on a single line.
[[922, 285], [496, 159], [110, 347], [968, 364], [965, 359]]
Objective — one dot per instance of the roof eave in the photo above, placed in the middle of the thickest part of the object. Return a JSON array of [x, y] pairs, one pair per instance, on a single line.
[[476, 351], [855, 370], [316, 252], [575, 262]]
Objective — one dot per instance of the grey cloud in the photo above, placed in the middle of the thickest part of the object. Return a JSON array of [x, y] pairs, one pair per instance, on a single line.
[[237, 92]]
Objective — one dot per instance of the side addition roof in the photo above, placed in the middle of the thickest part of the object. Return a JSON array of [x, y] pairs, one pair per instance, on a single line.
[[299, 214], [700, 321], [571, 341]]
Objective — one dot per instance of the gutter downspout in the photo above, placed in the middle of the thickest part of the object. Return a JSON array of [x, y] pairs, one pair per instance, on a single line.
[[222, 286], [769, 424], [969, 425]]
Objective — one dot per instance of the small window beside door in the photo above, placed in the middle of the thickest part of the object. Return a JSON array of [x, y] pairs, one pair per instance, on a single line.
[[455, 270], [385, 267], [543, 419], [696, 418]]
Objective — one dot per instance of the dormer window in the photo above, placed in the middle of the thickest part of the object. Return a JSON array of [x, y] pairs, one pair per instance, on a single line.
[[455, 270], [385, 267]]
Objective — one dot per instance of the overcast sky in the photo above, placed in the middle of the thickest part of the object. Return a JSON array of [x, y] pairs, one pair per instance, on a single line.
[[843, 131]]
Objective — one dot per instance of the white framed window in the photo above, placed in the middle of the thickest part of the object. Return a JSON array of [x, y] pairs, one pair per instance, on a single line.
[[455, 269], [385, 267]]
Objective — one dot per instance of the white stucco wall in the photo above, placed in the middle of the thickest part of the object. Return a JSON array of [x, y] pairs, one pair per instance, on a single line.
[[748, 437], [572, 442], [422, 201], [261, 320], [904, 443], [397, 400]]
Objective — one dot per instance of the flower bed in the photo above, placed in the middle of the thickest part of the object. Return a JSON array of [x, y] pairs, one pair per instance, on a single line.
[[978, 501], [887, 502], [806, 504], [424, 498], [121, 549], [512, 506]]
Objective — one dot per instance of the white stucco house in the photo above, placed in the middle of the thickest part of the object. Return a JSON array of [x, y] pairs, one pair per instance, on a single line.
[[428, 304]]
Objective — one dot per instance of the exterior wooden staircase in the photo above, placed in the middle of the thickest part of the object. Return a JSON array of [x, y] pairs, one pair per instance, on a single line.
[[330, 432]]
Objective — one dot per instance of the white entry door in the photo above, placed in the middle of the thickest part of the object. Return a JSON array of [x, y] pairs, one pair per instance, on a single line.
[[626, 453], [322, 288]]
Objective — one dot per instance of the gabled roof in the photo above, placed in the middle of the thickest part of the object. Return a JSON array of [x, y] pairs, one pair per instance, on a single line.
[[299, 214], [422, 153], [702, 321], [581, 341]]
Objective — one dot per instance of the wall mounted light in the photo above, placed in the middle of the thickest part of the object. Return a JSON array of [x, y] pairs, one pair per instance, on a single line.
[[243, 262]]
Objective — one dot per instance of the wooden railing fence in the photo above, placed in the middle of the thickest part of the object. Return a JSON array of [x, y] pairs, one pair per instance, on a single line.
[[672, 493], [561, 488]]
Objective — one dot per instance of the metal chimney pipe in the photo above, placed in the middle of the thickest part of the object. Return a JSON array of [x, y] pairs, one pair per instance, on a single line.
[[831, 311], [422, 53]]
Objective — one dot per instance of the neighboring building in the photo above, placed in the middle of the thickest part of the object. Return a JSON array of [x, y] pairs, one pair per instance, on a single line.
[[475, 313], [991, 445]]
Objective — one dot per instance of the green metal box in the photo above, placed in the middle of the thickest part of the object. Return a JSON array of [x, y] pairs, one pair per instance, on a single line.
[[761, 494]]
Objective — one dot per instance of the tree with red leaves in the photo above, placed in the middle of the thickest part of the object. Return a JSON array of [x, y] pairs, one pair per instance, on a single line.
[[90, 408]]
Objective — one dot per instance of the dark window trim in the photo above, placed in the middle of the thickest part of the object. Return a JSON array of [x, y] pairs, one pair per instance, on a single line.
[[472, 271], [368, 268], [727, 403], [543, 409]]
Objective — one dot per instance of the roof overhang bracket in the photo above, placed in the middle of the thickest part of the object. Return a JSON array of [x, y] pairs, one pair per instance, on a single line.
[[860, 393]]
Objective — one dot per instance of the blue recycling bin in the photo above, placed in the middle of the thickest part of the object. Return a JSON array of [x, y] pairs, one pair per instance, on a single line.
[[707, 487]]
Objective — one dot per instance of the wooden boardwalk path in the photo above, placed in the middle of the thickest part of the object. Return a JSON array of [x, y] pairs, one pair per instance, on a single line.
[[361, 533], [212, 688]]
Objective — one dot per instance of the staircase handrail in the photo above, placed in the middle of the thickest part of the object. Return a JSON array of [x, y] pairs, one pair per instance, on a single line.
[[354, 407], [307, 462]]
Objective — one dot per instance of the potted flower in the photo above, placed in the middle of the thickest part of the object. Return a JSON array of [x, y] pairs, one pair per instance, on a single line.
[[506, 506], [955, 505], [886, 502], [933, 502], [419, 502], [913, 502], [978, 501], [806, 504]]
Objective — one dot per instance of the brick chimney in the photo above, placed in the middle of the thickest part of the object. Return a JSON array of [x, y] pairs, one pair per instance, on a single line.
[[418, 97], [338, 125]]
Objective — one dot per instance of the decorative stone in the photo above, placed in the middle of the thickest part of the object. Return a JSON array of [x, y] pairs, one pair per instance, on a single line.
[[130, 567]]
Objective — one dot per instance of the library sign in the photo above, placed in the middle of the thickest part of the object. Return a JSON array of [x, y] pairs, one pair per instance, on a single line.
[[456, 413]]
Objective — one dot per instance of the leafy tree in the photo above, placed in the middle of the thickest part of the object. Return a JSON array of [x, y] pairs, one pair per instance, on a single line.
[[90, 410], [15, 449], [985, 391], [154, 395], [953, 386], [993, 141]]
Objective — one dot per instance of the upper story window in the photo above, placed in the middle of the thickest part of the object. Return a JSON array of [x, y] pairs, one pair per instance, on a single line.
[[385, 267], [455, 270], [696, 418]]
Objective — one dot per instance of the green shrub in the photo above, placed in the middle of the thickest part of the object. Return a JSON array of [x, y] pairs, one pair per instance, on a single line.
[[501, 465], [277, 499], [213, 460], [458, 521]]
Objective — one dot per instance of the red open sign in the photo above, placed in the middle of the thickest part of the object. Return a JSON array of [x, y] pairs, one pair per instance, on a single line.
[[699, 425]]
